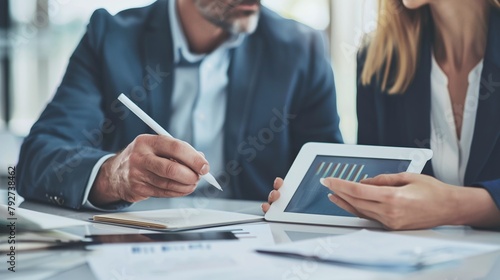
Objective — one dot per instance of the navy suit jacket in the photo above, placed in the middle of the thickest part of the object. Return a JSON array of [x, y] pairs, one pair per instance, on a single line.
[[281, 94], [404, 119]]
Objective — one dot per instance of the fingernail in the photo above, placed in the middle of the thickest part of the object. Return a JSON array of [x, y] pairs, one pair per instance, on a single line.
[[262, 206], [275, 180], [271, 194], [204, 169], [331, 197], [365, 179], [322, 181]]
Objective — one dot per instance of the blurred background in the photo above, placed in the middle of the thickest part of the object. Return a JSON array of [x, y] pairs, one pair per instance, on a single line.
[[37, 38]]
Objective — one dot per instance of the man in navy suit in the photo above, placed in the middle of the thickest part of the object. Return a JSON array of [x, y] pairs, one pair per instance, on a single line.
[[245, 87]]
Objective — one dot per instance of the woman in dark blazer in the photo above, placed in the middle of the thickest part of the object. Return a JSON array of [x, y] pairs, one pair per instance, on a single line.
[[430, 78]]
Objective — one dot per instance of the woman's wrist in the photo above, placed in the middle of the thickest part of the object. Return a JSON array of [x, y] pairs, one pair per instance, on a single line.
[[474, 207]]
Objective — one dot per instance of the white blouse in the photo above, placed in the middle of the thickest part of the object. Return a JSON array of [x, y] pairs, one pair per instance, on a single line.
[[451, 154]]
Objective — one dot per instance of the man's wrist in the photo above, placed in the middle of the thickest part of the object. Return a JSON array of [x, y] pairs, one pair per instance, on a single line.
[[102, 192]]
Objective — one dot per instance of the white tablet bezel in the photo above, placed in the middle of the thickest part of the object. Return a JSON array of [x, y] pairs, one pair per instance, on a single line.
[[305, 158]]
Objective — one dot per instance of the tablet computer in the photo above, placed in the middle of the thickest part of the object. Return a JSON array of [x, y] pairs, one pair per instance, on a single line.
[[304, 200]]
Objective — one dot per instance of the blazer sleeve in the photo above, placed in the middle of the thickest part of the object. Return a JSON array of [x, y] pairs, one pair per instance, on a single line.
[[493, 188], [365, 106], [316, 118], [62, 147]]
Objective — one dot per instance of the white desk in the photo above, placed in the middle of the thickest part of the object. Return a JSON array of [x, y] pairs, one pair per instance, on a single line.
[[483, 267]]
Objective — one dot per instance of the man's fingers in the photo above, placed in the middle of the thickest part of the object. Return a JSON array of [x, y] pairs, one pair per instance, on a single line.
[[168, 193], [168, 189], [169, 169], [180, 151], [169, 184], [183, 152]]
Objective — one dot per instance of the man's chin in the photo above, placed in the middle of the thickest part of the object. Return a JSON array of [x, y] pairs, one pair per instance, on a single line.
[[246, 24]]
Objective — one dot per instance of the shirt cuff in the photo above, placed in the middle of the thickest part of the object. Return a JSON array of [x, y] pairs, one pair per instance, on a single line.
[[86, 203]]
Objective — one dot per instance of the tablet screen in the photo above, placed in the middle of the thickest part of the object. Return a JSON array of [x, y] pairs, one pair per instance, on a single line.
[[311, 197]]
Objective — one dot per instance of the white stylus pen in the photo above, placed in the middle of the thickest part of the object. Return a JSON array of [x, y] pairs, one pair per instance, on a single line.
[[160, 130]]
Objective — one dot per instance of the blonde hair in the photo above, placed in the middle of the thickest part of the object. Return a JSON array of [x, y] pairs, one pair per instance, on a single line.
[[396, 44]]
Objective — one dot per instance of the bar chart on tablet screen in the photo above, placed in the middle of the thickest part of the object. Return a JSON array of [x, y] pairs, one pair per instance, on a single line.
[[311, 197], [354, 169], [345, 171]]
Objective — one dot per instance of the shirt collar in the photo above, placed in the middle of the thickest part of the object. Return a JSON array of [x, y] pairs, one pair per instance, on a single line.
[[180, 44]]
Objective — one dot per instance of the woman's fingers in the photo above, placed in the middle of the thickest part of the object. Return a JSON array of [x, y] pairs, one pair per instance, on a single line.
[[278, 182]]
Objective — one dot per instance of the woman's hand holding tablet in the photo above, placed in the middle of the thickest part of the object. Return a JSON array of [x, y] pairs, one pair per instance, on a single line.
[[305, 200]]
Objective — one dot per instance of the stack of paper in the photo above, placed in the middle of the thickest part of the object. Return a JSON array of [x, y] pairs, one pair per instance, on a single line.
[[208, 260], [24, 219]]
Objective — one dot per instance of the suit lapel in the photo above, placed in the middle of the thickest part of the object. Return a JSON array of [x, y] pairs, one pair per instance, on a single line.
[[487, 126], [417, 102], [158, 64], [417, 105]]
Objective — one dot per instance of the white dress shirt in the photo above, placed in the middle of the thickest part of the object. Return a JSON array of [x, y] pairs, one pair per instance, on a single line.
[[450, 153], [200, 96]]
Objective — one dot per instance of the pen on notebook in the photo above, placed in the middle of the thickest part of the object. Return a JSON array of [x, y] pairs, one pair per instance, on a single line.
[[158, 129]]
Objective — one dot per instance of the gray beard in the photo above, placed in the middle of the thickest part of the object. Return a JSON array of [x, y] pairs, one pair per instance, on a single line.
[[215, 13]]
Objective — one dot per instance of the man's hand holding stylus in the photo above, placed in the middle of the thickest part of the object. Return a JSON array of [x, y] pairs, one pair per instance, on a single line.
[[150, 166]]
